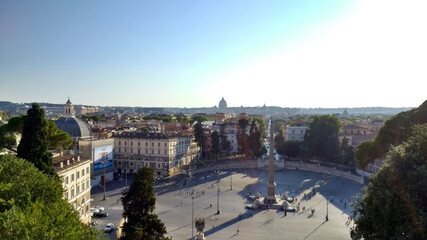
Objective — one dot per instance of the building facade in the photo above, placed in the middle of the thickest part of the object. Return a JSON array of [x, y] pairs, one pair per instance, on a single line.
[[295, 133], [75, 174], [162, 152]]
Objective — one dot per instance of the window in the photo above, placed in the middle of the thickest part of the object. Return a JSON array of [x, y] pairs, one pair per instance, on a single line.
[[131, 164], [72, 177], [158, 152], [72, 193], [66, 180], [83, 172], [78, 189], [66, 195], [78, 174], [119, 163], [146, 144], [131, 150], [83, 186], [152, 151], [152, 144], [126, 143], [139, 151], [120, 149], [120, 143], [165, 152], [139, 144], [87, 183], [87, 170], [146, 151], [166, 144], [158, 145], [131, 143]]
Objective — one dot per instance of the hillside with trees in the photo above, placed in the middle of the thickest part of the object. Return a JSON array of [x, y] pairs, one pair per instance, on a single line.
[[394, 205], [395, 131]]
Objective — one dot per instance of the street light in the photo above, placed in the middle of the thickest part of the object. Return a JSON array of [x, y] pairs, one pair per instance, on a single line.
[[231, 181], [105, 158], [217, 199], [192, 213], [327, 201]]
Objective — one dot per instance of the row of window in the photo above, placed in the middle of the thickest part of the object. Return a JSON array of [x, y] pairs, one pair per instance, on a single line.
[[158, 144], [158, 152], [78, 189], [78, 174]]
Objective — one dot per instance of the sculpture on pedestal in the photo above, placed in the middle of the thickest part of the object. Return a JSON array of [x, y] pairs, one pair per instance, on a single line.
[[200, 225]]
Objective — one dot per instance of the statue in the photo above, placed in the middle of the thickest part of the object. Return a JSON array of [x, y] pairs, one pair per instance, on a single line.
[[200, 225]]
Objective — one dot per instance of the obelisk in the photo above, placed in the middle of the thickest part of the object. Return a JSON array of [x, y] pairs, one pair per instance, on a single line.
[[271, 187]]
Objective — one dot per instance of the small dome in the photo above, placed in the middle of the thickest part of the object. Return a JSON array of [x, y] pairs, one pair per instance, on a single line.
[[76, 127], [222, 103]]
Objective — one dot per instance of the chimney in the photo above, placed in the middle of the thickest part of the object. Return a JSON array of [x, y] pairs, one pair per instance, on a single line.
[[61, 164], [68, 161], [78, 158]]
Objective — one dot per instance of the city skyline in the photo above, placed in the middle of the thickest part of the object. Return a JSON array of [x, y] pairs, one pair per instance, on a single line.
[[310, 54]]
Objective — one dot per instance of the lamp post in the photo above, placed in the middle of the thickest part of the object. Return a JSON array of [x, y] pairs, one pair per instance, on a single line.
[[192, 213], [217, 199], [231, 181], [104, 161], [327, 201]]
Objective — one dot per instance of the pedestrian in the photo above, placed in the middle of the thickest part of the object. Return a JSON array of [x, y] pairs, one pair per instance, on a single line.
[[118, 199], [210, 204], [237, 231]]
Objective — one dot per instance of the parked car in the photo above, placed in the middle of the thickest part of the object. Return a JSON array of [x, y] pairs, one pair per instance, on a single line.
[[97, 208], [100, 214], [289, 209], [109, 227]]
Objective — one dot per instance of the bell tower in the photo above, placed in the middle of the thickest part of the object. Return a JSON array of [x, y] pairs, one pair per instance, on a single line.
[[69, 109]]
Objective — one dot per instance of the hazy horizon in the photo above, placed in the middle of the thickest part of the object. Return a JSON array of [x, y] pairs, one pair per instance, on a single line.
[[299, 54]]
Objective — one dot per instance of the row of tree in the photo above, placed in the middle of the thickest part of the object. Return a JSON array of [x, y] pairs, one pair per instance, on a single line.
[[320, 142]]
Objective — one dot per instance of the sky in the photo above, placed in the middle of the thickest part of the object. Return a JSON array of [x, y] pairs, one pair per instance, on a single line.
[[333, 53]]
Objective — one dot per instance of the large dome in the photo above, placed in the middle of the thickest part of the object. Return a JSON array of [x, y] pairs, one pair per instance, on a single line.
[[76, 127], [222, 103]]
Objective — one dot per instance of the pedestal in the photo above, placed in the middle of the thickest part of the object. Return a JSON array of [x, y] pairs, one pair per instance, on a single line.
[[200, 236]]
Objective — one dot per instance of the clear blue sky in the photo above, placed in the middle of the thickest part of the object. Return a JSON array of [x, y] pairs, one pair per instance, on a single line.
[[191, 53]]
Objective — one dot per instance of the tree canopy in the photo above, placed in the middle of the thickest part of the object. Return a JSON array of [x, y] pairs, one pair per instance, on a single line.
[[138, 204], [394, 205], [34, 143], [32, 205], [321, 139], [395, 131]]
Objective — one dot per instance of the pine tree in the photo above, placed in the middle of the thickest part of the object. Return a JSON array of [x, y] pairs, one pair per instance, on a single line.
[[138, 204], [34, 143]]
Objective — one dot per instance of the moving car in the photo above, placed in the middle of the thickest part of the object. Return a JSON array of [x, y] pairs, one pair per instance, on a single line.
[[289, 209], [97, 208], [100, 214], [109, 227]]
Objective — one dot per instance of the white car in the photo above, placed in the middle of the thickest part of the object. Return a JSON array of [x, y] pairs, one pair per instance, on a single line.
[[97, 209], [109, 227]]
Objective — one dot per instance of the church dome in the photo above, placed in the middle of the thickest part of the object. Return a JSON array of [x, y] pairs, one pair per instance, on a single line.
[[76, 127], [222, 103]]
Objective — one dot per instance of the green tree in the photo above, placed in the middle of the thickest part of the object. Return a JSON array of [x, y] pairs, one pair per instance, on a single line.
[[256, 139], [321, 139], [291, 148], [394, 132], [394, 205], [215, 148], [57, 138], [34, 143], [32, 205], [138, 204], [225, 143], [199, 136]]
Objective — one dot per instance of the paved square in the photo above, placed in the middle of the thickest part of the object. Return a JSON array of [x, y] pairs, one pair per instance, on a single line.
[[175, 207]]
